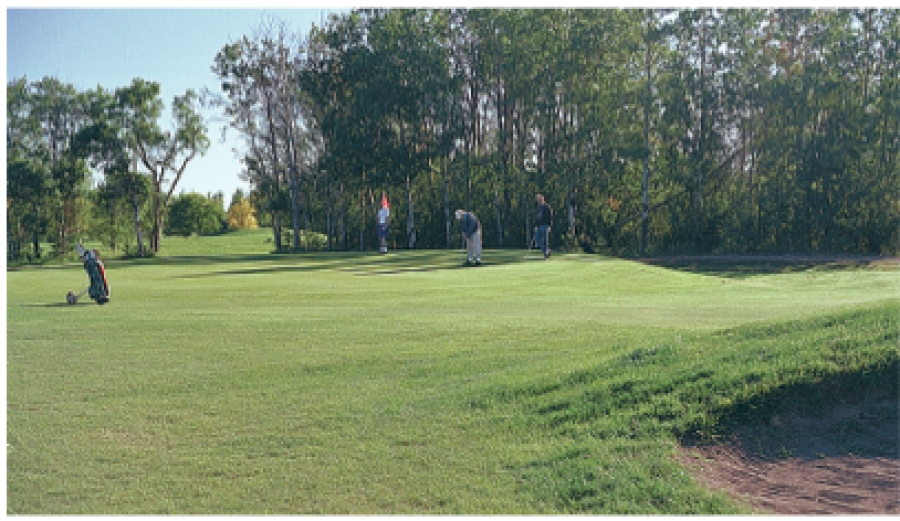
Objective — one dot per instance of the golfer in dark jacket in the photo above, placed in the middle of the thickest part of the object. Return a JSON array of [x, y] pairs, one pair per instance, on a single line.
[[543, 220], [471, 229]]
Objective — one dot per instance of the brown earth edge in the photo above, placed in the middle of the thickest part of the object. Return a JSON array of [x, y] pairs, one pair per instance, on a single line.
[[808, 473], [785, 259], [792, 466], [848, 485]]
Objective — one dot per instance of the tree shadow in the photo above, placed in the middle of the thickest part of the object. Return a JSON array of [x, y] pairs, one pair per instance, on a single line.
[[60, 304], [743, 266], [355, 263]]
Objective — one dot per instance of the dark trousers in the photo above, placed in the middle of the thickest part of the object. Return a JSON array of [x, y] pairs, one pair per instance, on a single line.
[[542, 238]]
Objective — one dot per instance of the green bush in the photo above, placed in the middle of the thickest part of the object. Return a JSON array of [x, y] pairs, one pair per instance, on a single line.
[[194, 214]]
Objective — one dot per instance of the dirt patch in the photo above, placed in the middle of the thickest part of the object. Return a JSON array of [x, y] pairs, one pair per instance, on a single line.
[[845, 461], [747, 265], [786, 259], [833, 485]]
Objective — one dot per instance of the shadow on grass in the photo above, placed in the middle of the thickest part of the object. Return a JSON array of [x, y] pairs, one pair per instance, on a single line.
[[356, 263], [741, 266], [52, 305], [849, 413]]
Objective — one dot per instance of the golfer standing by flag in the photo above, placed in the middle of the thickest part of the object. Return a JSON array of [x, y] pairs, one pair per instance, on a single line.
[[543, 220], [471, 229], [382, 218]]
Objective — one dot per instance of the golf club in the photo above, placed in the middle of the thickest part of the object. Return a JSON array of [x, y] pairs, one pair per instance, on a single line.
[[72, 298]]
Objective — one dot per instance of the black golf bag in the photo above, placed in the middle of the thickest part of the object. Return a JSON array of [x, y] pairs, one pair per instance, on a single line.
[[99, 288]]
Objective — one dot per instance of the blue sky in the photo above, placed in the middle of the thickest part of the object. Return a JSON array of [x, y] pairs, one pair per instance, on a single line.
[[109, 47]]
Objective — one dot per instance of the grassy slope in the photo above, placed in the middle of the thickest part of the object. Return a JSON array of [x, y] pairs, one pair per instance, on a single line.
[[353, 383]]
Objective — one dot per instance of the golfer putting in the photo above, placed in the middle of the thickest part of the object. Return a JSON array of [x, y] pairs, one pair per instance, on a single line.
[[471, 229]]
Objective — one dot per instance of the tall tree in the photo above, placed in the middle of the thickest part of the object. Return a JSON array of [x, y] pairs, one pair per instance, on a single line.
[[162, 152], [105, 142], [59, 111], [265, 104]]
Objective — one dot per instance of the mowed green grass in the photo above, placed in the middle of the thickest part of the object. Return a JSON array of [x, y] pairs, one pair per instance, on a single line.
[[350, 383]]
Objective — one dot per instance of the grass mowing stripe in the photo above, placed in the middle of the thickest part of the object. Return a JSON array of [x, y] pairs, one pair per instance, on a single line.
[[350, 383]]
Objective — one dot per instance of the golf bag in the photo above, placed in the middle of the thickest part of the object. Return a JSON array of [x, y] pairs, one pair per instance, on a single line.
[[99, 288]]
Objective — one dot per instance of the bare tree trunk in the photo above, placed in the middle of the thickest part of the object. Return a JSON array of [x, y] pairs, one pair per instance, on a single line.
[[498, 216], [276, 229], [11, 243], [702, 143], [343, 219], [645, 178], [113, 238], [570, 213], [447, 221], [410, 217], [362, 226], [137, 224], [157, 217], [329, 226], [295, 211], [35, 238]]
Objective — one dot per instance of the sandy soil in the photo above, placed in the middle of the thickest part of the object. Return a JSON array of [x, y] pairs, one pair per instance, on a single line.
[[813, 259], [846, 462]]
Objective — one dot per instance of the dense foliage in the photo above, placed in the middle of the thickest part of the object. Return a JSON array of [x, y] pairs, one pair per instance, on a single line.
[[738, 130], [55, 135], [752, 129], [193, 214]]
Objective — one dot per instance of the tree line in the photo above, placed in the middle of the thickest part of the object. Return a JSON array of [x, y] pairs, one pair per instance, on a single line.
[[649, 131], [57, 136]]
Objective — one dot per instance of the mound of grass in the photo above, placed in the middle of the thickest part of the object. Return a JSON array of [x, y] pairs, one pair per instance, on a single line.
[[616, 422], [347, 383]]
